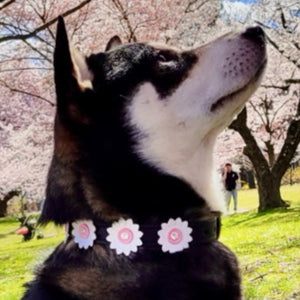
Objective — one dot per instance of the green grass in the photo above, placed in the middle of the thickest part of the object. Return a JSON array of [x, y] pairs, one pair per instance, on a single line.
[[267, 245], [248, 199], [18, 258]]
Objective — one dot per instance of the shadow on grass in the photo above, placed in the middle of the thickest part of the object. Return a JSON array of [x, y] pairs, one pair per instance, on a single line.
[[8, 226], [7, 220], [6, 234], [255, 218]]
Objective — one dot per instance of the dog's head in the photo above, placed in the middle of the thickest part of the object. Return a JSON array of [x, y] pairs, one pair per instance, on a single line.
[[135, 125]]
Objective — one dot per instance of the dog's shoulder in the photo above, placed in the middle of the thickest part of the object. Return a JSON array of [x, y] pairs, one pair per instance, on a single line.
[[39, 291], [100, 273]]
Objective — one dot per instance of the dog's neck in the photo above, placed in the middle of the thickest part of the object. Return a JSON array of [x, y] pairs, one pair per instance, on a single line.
[[182, 149], [199, 171], [130, 188], [134, 190], [193, 165], [146, 194]]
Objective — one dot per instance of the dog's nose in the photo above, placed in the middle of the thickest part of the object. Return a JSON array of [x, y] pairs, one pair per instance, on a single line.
[[254, 33]]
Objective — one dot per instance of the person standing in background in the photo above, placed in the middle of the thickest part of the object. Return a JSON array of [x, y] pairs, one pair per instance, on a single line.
[[230, 179]]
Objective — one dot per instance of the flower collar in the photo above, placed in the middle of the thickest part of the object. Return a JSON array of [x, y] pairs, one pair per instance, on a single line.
[[126, 237]]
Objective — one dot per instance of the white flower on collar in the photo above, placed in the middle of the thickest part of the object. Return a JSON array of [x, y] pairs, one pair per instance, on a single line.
[[175, 235], [124, 236], [84, 233]]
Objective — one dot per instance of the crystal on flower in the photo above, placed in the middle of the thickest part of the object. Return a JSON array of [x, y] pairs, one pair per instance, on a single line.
[[84, 233], [175, 235], [124, 236]]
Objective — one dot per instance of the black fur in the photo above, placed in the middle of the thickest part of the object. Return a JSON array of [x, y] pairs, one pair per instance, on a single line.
[[209, 272], [107, 160], [95, 174]]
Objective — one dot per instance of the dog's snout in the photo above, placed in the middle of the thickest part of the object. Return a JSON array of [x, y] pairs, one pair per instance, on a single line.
[[254, 33]]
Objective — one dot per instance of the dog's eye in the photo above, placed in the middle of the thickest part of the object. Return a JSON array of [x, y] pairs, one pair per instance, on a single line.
[[165, 57], [162, 58]]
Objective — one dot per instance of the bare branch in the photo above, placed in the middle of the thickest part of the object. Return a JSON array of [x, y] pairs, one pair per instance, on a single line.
[[43, 17], [24, 69], [37, 51], [7, 4], [4, 61], [282, 52], [189, 9], [254, 107], [44, 26], [284, 88], [251, 149], [292, 80], [13, 89], [79, 24], [280, 87], [283, 19], [10, 195], [297, 45], [131, 37], [288, 149], [279, 108]]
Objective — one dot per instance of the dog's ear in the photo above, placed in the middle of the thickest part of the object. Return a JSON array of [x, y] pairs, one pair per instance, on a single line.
[[71, 73], [115, 41]]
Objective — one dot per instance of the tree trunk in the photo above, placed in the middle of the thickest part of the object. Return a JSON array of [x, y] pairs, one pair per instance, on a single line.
[[271, 153], [268, 184], [269, 192], [4, 201], [251, 181], [3, 208]]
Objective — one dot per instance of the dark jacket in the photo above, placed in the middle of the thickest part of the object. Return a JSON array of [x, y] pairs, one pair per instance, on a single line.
[[230, 181]]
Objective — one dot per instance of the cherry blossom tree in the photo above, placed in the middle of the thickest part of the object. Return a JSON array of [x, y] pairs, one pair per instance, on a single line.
[[27, 99], [270, 127]]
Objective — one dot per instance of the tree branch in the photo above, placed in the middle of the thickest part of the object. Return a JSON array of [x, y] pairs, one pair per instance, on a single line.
[[13, 89], [37, 51], [289, 58], [4, 61], [259, 114], [10, 195], [297, 45], [280, 87], [189, 9], [292, 81], [24, 69], [7, 4], [251, 149], [44, 26], [131, 37], [288, 149]]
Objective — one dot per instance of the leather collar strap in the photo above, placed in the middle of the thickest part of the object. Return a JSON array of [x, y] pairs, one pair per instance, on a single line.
[[125, 237]]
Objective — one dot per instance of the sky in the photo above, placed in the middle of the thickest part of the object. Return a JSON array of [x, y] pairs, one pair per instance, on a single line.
[[245, 11], [244, 1]]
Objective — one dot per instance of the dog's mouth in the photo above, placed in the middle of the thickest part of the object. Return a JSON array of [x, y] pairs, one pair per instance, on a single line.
[[223, 100]]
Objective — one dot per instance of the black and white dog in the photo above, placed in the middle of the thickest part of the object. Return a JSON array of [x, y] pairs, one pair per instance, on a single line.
[[132, 173]]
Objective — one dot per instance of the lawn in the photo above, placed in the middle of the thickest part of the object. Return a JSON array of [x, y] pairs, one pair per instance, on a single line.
[[267, 245], [18, 258]]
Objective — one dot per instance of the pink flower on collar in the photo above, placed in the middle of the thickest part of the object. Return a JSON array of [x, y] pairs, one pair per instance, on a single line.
[[124, 236], [84, 233], [174, 235]]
